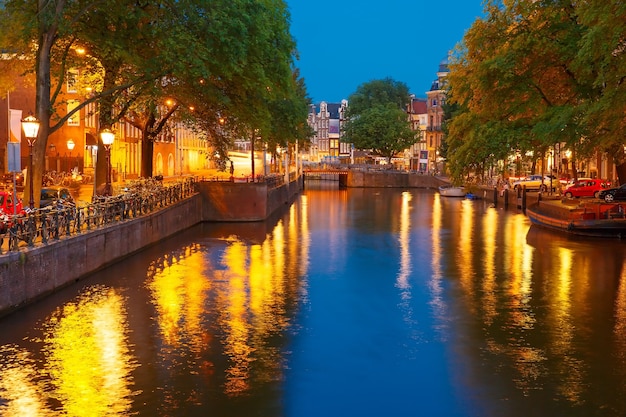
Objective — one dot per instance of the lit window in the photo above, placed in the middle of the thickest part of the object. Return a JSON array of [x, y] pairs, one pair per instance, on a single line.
[[74, 120], [72, 80]]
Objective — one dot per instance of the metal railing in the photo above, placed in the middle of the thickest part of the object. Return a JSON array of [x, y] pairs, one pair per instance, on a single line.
[[272, 180], [42, 226]]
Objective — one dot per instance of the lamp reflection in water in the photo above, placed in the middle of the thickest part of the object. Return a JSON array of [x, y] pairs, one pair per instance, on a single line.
[[87, 362]]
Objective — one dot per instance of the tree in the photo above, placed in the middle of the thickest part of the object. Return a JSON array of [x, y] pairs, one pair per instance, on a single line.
[[377, 118], [383, 128], [516, 67], [224, 56], [385, 91]]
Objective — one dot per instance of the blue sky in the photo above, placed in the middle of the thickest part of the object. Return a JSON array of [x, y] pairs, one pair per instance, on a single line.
[[401, 39]]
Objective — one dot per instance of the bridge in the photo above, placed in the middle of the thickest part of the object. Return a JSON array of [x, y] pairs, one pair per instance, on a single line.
[[328, 171], [322, 173]]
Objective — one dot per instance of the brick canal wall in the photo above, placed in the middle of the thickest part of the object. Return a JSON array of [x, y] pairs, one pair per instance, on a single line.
[[241, 202], [33, 273], [30, 274], [392, 179]]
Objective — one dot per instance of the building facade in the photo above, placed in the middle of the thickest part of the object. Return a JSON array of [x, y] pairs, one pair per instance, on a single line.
[[416, 156], [326, 120], [177, 150], [435, 98]]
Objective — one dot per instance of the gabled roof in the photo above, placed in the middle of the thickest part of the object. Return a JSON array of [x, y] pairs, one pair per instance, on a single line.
[[418, 106], [332, 108]]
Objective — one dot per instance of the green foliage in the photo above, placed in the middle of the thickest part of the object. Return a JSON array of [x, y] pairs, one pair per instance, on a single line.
[[225, 59], [530, 75], [385, 91], [377, 118], [382, 128]]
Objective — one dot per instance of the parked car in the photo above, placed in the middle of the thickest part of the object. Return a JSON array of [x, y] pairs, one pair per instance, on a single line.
[[613, 194], [534, 182], [51, 194], [6, 204], [586, 187]]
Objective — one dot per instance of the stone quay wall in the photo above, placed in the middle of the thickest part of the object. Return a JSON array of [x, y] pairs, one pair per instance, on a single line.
[[237, 202], [32, 273], [392, 179]]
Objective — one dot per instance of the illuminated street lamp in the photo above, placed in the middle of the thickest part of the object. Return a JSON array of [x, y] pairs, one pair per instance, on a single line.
[[70, 146], [30, 125], [107, 140]]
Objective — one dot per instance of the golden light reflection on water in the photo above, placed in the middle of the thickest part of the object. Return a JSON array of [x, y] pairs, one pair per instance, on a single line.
[[179, 295], [534, 291], [247, 287], [465, 250], [435, 283], [88, 358], [21, 386], [404, 240], [489, 285]]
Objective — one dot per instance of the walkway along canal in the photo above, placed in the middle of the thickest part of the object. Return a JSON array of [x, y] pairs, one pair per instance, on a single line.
[[42, 255]]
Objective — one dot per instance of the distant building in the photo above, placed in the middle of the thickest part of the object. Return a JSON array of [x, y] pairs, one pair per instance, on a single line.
[[417, 155], [326, 120], [435, 99]]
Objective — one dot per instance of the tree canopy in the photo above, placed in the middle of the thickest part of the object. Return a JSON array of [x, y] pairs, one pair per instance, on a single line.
[[530, 75], [219, 60], [377, 118]]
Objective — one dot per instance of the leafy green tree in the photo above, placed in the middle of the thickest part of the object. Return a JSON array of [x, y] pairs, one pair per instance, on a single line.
[[516, 67], [382, 128], [222, 57], [377, 118], [601, 59], [384, 91]]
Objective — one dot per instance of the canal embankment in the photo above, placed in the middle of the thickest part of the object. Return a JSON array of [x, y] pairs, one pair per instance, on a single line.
[[32, 272]]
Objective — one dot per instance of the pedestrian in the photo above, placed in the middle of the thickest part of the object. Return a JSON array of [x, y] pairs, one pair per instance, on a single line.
[[232, 170]]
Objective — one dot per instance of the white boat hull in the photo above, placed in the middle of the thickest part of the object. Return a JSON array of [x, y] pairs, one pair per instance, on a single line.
[[451, 191]]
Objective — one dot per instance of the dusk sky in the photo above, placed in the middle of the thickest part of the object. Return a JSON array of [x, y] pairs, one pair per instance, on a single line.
[[401, 39]]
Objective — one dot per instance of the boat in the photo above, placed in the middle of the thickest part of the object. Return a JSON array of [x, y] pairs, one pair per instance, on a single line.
[[452, 191], [593, 219]]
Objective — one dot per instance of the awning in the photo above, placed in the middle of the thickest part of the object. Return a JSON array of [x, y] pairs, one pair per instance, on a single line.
[[90, 140]]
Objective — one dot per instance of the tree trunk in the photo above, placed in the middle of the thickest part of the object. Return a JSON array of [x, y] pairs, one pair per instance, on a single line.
[[147, 151], [42, 110]]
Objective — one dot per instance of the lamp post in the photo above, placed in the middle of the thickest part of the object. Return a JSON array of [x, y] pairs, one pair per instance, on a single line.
[[107, 140], [70, 147], [30, 125]]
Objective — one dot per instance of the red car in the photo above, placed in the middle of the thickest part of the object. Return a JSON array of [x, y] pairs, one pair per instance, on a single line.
[[6, 204], [586, 188]]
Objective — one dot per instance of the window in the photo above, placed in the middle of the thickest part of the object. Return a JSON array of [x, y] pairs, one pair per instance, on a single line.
[[74, 120], [434, 102], [72, 80]]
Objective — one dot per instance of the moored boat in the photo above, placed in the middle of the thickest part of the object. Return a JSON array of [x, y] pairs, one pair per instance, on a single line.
[[452, 191], [597, 219]]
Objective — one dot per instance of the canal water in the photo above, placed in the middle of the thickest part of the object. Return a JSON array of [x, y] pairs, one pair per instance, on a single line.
[[358, 302]]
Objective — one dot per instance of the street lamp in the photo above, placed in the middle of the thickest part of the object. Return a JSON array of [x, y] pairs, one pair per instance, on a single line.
[[30, 125], [70, 147], [107, 140]]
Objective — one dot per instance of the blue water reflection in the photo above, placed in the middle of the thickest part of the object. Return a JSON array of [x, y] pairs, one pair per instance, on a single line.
[[359, 302]]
